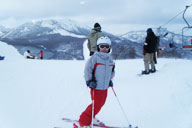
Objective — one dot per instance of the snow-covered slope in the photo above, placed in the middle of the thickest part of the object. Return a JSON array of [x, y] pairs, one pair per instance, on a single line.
[[9, 52], [38, 93]]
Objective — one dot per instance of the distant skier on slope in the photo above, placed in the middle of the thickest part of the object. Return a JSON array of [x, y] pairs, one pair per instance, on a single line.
[[99, 71], [2, 57], [149, 49], [29, 55], [95, 34], [41, 54]]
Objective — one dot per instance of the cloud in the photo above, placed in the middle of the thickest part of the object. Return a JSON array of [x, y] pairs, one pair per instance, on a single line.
[[108, 12], [83, 2]]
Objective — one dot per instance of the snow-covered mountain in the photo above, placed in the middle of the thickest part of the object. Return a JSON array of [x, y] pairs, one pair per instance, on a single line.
[[135, 36], [46, 27], [60, 39], [64, 38], [4, 30], [39, 93]]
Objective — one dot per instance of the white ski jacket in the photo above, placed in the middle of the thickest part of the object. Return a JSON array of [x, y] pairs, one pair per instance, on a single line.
[[26, 54], [102, 64]]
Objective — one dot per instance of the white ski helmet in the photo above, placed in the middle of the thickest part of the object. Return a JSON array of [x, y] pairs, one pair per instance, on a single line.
[[104, 40]]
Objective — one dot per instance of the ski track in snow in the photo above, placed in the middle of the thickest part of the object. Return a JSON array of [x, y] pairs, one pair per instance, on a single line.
[[39, 93]]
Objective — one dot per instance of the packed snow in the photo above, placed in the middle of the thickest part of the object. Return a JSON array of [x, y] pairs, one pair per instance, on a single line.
[[39, 93]]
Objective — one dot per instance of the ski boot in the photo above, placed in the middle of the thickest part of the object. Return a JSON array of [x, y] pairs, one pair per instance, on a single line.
[[146, 72], [153, 70]]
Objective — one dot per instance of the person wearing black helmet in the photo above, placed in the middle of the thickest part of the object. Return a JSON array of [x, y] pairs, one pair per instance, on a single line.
[[149, 49], [95, 34]]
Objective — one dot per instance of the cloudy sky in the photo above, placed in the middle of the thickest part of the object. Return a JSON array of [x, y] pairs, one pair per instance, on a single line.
[[115, 16]]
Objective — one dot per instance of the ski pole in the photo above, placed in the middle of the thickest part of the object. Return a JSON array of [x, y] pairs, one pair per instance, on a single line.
[[121, 108], [92, 106]]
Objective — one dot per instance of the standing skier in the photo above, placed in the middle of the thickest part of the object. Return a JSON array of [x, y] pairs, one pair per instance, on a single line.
[[99, 71], [41, 54], [149, 49], [93, 37]]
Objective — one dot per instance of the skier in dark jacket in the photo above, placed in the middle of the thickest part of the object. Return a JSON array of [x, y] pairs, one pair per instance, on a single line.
[[149, 49]]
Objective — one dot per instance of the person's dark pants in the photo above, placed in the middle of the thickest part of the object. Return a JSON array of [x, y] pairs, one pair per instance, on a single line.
[[30, 57]]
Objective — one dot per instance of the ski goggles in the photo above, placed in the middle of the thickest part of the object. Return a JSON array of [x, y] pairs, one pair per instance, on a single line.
[[104, 46]]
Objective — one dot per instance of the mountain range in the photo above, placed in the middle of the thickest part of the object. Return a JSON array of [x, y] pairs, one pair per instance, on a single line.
[[64, 38]]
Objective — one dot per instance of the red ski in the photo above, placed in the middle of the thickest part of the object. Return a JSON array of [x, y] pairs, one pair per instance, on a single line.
[[75, 121]]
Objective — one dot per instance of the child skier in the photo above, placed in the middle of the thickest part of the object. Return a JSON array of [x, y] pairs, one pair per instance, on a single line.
[[99, 71]]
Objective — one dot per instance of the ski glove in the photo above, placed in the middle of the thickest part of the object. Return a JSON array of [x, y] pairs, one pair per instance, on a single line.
[[91, 83], [111, 83], [91, 53]]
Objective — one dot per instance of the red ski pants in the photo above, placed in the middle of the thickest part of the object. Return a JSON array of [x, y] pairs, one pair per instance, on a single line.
[[99, 100]]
